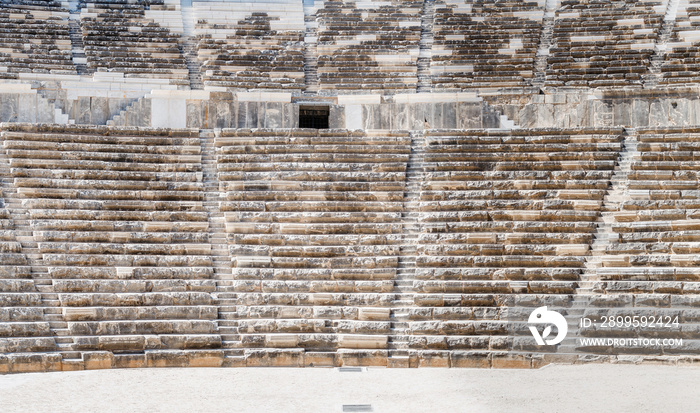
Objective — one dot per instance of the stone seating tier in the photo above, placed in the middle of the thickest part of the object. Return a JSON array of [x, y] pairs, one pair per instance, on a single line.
[[147, 265], [481, 232], [117, 36], [486, 45], [314, 227], [368, 47], [603, 44], [650, 260], [311, 251], [49, 47], [251, 51], [680, 59]]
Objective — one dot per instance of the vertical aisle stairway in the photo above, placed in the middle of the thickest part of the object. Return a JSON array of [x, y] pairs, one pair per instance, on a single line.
[[542, 55], [426, 47], [660, 48], [189, 45], [226, 301], [618, 193], [405, 275]]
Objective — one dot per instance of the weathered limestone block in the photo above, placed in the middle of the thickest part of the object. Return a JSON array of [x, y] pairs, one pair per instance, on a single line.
[[275, 358], [374, 313], [167, 358], [25, 363], [353, 358], [27, 344], [129, 343], [79, 313], [281, 340], [93, 360], [129, 361], [362, 341]]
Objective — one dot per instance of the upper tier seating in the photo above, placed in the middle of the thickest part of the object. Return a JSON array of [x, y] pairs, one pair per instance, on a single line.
[[34, 37], [23, 327], [603, 43], [256, 45], [314, 224], [118, 38], [481, 43], [682, 58], [503, 216], [119, 221], [369, 46]]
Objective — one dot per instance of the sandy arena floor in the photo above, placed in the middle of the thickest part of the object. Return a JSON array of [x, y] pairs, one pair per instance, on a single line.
[[584, 388]]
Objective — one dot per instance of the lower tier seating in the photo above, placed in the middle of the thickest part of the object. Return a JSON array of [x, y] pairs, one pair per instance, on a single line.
[[505, 219], [23, 325], [314, 224], [345, 247], [650, 262], [119, 222]]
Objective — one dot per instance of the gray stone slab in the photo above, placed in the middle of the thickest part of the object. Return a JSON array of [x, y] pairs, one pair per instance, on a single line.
[[99, 108], [84, 112], [273, 115], [640, 113], [222, 115], [449, 114], [336, 116], [28, 108], [8, 107], [194, 114]]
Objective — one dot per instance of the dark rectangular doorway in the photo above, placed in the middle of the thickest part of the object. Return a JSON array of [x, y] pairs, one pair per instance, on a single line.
[[315, 117]]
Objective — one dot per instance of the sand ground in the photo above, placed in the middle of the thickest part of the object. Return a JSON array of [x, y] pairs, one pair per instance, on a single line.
[[579, 388]]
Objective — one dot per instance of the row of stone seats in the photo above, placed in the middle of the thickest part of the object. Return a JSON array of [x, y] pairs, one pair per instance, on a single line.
[[259, 46], [313, 219], [484, 44], [649, 267], [603, 43], [681, 61], [368, 46], [119, 38], [506, 219], [23, 326], [34, 38], [656, 227], [118, 218]]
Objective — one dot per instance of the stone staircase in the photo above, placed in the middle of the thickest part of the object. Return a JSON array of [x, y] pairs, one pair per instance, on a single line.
[[217, 226], [189, 46], [58, 115], [121, 119], [425, 82], [225, 297], [542, 55], [40, 274], [652, 78], [76, 39], [310, 52], [195, 75], [617, 194], [405, 274]]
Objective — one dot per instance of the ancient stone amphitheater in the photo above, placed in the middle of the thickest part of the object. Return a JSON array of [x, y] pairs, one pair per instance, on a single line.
[[347, 183]]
